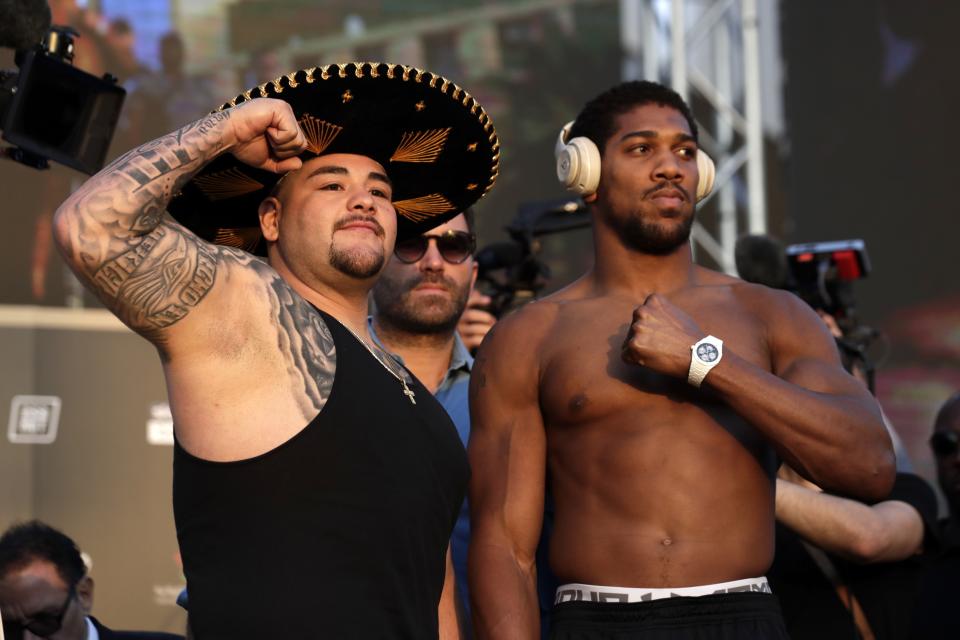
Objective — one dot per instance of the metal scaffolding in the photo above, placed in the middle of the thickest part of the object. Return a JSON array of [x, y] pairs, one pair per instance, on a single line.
[[709, 49]]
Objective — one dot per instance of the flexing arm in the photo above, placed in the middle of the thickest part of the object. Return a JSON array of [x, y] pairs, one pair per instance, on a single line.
[[113, 233], [821, 420], [885, 532], [508, 459]]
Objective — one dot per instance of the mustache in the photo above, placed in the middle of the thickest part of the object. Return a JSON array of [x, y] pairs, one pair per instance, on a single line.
[[665, 186], [431, 278], [340, 224]]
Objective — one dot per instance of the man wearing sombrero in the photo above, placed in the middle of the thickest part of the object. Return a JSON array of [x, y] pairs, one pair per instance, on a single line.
[[316, 482]]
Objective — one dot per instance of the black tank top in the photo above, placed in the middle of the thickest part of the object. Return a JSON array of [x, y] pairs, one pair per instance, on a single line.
[[340, 532]]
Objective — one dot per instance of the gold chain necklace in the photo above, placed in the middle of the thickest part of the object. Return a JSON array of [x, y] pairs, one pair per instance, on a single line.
[[407, 391]]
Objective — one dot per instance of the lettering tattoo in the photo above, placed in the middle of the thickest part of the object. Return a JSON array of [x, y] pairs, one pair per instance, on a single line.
[[148, 270], [152, 272], [159, 279]]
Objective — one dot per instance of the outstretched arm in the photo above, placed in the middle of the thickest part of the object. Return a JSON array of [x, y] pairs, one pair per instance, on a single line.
[[821, 420], [148, 270], [508, 460], [888, 531]]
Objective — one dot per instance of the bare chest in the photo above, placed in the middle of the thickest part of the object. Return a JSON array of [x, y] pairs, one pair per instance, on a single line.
[[585, 379]]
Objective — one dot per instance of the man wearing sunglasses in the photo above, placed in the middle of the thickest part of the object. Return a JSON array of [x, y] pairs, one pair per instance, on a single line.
[[418, 301], [45, 591], [936, 615]]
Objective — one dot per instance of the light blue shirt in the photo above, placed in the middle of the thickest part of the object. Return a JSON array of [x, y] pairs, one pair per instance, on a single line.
[[453, 395]]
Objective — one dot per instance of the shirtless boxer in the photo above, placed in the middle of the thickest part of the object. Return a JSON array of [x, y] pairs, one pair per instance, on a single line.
[[660, 444]]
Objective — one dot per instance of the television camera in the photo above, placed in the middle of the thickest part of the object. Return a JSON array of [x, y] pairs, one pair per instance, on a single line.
[[513, 272], [822, 275], [49, 109]]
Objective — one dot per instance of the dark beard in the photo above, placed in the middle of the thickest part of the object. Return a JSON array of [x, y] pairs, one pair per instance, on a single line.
[[356, 264], [394, 309], [639, 235]]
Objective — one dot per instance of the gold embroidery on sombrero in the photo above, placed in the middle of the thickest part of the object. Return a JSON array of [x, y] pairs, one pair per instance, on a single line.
[[421, 146], [226, 184], [419, 209], [472, 146], [420, 106], [246, 239], [320, 133]]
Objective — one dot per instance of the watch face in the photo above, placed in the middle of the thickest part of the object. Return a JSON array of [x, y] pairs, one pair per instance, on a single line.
[[707, 353]]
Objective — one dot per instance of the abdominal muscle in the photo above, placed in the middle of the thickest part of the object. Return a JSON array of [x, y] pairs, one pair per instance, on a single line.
[[668, 504]]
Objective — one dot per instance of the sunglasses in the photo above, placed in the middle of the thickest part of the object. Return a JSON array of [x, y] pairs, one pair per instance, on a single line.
[[43, 625], [454, 246], [945, 443]]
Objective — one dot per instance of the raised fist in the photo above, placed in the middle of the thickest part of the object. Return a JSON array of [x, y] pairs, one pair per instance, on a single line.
[[266, 135]]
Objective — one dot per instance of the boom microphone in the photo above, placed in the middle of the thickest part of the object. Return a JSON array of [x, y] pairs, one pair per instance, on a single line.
[[760, 259], [23, 23], [499, 255]]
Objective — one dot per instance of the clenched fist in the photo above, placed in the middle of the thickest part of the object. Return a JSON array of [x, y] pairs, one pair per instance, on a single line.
[[660, 337], [266, 135]]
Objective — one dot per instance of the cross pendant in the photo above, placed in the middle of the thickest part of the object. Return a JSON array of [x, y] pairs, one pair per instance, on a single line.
[[407, 391]]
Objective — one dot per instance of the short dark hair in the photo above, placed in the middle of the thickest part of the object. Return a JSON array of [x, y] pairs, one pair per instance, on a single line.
[[597, 119], [28, 542]]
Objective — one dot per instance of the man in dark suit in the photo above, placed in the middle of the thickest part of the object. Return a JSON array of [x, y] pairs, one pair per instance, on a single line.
[[45, 591]]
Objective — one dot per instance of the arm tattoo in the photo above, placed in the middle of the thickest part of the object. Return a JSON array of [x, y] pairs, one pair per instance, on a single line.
[[179, 271], [148, 270], [151, 272], [304, 338]]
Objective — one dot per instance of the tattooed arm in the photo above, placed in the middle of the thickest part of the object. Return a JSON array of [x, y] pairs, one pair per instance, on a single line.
[[148, 270]]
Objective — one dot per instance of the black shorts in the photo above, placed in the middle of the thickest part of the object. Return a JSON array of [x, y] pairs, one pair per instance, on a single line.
[[725, 616]]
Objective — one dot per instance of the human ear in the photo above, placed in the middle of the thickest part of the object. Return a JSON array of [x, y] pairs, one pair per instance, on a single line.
[[84, 591], [269, 212]]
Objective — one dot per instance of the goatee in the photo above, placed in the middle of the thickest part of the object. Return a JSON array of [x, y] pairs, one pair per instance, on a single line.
[[645, 237]]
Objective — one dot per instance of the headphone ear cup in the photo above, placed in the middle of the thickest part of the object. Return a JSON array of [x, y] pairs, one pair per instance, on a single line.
[[708, 173], [578, 166], [578, 163]]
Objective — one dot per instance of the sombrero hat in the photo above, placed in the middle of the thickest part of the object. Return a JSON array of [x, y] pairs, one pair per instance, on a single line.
[[435, 141]]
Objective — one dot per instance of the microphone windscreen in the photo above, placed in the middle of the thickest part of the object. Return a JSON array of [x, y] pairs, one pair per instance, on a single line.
[[23, 23], [499, 255], [761, 259]]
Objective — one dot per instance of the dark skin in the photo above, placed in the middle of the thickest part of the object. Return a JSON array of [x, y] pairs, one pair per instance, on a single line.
[[655, 483]]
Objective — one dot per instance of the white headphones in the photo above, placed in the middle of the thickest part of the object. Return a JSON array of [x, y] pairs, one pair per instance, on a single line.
[[578, 165]]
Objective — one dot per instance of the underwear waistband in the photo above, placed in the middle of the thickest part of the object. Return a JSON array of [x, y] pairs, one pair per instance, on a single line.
[[575, 592]]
